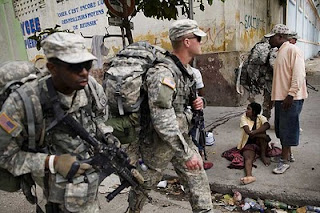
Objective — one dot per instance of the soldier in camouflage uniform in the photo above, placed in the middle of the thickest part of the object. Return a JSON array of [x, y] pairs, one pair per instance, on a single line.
[[257, 71], [167, 139], [267, 104], [69, 63]]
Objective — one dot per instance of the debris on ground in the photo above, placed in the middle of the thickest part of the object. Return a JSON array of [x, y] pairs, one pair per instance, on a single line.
[[236, 202], [162, 184]]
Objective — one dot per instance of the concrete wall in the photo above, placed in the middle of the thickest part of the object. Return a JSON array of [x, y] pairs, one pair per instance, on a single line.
[[11, 42], [219, 78], [231, 26]]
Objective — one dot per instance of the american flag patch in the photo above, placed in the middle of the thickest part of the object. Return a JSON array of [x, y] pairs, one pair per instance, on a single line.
[[169, 82], [6, 123]]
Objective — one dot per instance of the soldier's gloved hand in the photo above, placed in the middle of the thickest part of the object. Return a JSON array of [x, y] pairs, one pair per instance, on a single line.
[[63, 164], [110, 139]]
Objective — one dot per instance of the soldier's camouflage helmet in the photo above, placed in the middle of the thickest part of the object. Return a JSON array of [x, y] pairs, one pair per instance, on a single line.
[[184, 27], [67, 47], [278, 29]]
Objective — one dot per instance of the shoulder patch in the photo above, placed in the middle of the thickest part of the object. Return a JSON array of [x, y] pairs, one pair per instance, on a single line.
[[7, 123], [169, 82]]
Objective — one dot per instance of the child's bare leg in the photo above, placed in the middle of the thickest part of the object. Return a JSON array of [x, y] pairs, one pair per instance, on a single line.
[[249, 156], [263, 150]]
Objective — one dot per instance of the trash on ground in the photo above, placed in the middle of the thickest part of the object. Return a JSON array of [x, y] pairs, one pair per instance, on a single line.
[[230, 208], [162, 184], [171, 187], [228, 199], [302, 209], [237, 197]]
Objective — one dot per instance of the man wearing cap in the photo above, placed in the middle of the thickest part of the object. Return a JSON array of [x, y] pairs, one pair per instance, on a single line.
[[288, 91], [293, 37], [69, 63], [169, 87]]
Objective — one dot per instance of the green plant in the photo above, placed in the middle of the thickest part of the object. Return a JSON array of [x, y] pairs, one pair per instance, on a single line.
[[39, 36]]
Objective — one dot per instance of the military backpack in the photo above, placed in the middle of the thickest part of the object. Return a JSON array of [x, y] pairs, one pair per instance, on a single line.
[[124, 86], [13, 75], [255, 68]]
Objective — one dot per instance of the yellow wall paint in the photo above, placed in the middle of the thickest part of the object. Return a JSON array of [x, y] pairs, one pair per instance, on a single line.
[[115, 49]]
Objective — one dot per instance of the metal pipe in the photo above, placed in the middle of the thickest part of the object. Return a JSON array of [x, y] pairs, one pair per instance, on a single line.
[[190, 9]]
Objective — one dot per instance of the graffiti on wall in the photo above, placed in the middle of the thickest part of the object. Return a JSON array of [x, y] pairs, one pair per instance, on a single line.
[[252, 22], [217, 39], [83, 16]]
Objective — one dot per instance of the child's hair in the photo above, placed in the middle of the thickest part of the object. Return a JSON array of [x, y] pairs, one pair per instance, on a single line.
[[256, 108]]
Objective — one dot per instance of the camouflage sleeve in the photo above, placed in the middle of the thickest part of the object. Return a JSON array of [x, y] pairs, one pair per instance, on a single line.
[[101, 112], [161, 88], [12, 136], [273, 55]]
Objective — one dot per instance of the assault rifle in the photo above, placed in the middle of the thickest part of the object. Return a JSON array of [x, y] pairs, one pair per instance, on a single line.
[[312, 87], [107, 157], [200, 137]]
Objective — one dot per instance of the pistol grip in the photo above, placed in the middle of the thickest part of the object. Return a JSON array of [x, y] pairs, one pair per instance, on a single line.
[[73, 170]]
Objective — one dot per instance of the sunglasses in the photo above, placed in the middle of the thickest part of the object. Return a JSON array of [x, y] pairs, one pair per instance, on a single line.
[[79, 67], [76, 67], [197, 37]]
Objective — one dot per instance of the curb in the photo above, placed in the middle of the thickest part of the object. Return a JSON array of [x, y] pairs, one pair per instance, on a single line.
[[296, 196], [291, 196]]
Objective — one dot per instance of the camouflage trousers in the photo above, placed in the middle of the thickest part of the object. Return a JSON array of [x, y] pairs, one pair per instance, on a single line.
[[67, 197], [90, 207], [157, 156], [267, 104]]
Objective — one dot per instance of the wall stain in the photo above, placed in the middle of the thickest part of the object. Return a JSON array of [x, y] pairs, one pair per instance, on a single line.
[[249, 37], [116, 49], [237, 16]]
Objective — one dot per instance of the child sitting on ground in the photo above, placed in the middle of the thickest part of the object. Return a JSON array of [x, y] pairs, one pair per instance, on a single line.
[[254, 139]]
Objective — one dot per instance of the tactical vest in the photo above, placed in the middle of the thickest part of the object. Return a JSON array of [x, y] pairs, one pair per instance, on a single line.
[[184, 85], [56, 134]]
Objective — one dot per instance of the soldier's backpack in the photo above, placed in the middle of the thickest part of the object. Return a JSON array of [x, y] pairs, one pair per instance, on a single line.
[[255, 67], [13, 75], [123, 83]]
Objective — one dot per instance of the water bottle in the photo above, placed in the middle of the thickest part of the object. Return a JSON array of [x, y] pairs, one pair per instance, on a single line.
[[246, 206], [313, 208], [275, 204], [142, 165]]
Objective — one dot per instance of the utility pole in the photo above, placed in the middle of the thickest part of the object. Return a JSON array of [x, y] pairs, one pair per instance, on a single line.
[[190, 9], [194, 62]]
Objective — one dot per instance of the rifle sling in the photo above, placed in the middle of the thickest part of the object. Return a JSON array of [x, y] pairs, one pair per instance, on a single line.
[[30, 119], [180, 65], [61, 116]]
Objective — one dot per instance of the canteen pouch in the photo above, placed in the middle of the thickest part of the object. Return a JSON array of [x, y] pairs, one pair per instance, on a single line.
[[76, 195]]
